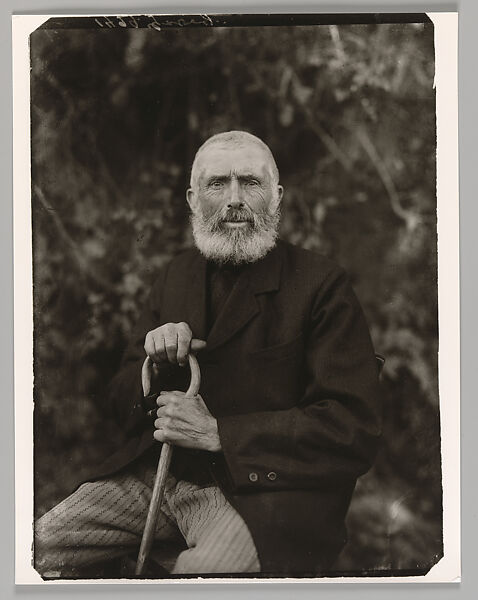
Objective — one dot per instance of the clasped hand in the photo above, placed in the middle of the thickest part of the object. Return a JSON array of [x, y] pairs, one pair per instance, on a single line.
[[172, 343], [186, 421]]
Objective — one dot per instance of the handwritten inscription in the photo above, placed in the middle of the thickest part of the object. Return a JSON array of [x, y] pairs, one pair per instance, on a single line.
[[152, 21]]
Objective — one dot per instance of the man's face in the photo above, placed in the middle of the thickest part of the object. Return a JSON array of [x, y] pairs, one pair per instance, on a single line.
[[234, 178], [235, 203]]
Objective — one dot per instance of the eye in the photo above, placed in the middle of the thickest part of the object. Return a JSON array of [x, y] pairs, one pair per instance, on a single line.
[[252, 182], [216, 185]]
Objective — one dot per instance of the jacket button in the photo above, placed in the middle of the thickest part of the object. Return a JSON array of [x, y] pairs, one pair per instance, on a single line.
[[253, 477], [272, 476]]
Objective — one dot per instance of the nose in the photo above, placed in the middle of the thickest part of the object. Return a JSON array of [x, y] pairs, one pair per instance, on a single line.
[[235, 200]]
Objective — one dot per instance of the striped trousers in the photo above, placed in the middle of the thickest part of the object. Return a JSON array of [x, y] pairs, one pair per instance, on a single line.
[[104, 519]]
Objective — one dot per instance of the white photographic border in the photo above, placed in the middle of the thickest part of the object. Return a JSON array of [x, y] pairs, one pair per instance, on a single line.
[[448, 569]]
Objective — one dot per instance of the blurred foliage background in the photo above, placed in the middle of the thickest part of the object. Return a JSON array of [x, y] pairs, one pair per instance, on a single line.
[[349, 113]]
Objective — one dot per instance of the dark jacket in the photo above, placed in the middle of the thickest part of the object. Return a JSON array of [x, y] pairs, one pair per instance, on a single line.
[[290, 374]]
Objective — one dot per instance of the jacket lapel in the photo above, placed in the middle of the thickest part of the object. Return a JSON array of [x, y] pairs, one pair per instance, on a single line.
[[241, 306]]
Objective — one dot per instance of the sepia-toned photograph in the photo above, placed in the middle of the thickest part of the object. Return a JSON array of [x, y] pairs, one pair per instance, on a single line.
[[235, 297]]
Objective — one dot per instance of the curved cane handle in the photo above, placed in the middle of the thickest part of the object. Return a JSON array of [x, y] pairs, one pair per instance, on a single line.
[[146, 375], [147, 372], [195, 382]]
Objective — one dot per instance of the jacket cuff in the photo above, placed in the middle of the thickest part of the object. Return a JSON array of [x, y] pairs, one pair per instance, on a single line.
[[148, 404]]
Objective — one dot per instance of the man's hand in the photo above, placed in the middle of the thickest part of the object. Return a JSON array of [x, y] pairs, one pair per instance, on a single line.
[[186, 421], [171, 342]]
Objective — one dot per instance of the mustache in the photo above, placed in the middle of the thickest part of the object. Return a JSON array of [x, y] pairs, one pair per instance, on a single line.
[[234, 215]]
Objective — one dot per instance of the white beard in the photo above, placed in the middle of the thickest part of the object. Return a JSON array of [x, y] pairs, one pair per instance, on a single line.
[[236, 246]]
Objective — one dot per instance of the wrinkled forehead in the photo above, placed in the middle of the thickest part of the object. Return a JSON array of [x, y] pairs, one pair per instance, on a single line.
[[222, 160]]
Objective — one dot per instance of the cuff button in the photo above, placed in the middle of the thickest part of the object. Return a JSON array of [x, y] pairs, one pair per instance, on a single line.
[[253, 477], [272, 476]]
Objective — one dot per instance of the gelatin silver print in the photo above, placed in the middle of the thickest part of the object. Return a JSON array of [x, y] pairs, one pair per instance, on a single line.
[[235, 298]]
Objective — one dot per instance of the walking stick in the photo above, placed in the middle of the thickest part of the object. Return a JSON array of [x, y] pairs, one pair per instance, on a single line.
[[163, 464]]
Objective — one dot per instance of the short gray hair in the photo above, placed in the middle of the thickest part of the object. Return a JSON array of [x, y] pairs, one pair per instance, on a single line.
[[235, 139]]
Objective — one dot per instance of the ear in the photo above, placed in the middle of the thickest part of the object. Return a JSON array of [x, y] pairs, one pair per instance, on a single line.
[[191, 199], [280, 193], [275, 203]]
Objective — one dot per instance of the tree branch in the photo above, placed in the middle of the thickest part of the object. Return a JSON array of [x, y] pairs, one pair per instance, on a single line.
[[83, 266], [411, 219]]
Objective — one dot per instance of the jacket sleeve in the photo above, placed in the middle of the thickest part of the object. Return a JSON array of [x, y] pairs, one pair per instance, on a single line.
[[330, 436], [125, 393]]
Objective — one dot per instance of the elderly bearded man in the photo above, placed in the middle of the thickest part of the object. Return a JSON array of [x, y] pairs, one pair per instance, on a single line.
[[267, 456]]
